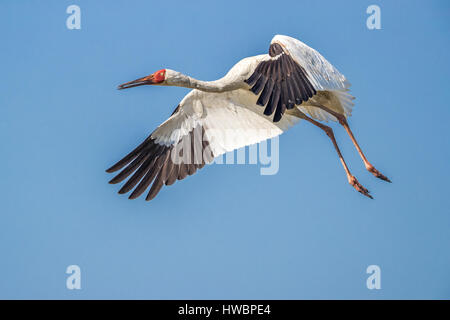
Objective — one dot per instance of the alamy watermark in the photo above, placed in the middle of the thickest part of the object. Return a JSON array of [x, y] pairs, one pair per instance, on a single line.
[[73, 281], [374, 20], [374, 280], [74, 20], [200, 145]]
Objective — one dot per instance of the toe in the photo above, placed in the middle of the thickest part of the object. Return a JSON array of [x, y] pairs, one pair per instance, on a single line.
[[355, 184], [378, 174]]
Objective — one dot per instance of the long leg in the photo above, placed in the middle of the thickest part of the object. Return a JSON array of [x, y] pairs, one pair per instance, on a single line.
[[343, 121], [351, 179]]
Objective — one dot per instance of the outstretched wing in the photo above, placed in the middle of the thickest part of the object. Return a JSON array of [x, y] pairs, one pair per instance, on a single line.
[[291, 75], [155, 162], [203, 126]]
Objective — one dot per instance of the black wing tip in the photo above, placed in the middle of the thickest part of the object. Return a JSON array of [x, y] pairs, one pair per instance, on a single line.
[[154, 190], [268, 111], [114, 180], [111, 170], [122, 191], [277, 117], [133, 196]]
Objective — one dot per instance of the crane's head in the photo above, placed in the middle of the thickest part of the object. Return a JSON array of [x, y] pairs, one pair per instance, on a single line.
[[155, 78]]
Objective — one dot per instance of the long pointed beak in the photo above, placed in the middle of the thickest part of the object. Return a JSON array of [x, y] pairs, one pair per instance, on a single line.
[[138, 82]]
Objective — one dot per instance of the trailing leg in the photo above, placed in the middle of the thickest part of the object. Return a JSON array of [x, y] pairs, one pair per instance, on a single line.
[[343, 121], [351, 179]]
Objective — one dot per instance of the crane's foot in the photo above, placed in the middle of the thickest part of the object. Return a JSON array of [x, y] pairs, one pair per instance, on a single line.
[[376, 173], [358, 186]]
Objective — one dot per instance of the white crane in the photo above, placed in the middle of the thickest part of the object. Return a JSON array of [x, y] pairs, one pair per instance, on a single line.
[[259, 98]]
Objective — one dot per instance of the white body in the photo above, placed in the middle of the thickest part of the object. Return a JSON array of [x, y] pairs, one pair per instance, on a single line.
[[227, 109]]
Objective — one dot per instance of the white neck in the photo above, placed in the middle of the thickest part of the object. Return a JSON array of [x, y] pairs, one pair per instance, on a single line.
[[174, 78]]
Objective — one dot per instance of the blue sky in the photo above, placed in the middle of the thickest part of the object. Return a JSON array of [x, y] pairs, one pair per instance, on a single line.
[[226, 232]]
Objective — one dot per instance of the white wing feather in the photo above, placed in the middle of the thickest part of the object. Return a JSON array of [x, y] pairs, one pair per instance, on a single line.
[[231, 120], [322, 74]]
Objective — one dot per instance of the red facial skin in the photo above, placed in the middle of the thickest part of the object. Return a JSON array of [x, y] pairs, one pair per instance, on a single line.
[[155, 78], [159, 76]]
